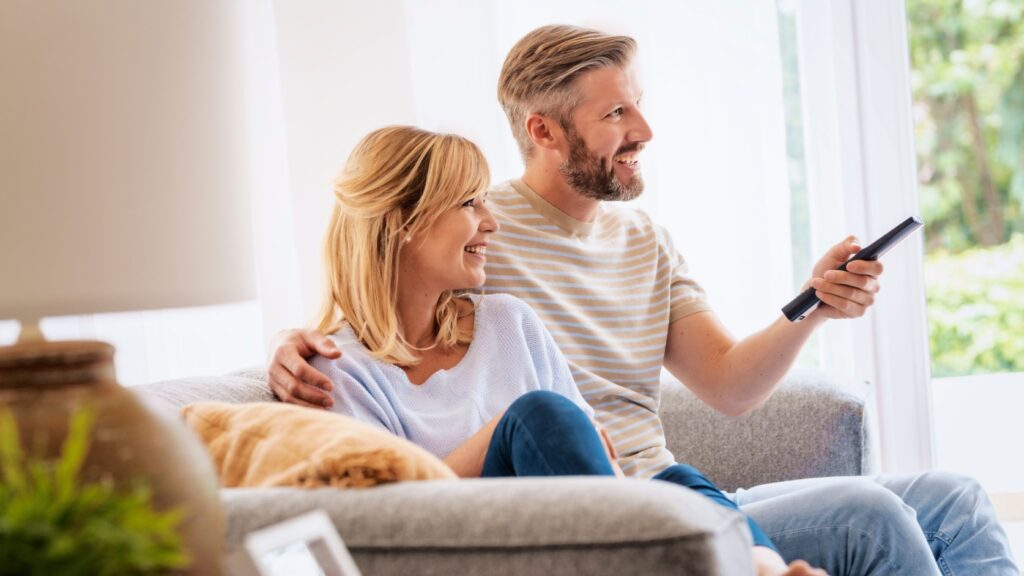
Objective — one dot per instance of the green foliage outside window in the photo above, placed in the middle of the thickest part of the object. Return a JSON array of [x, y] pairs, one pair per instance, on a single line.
[[976, 309], [967, 61]]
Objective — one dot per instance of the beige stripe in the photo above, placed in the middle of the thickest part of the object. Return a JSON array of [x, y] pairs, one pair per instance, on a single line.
[[649, 333], [611, 292], [593, 248], [625, 258], [586, 285], [646, 371]]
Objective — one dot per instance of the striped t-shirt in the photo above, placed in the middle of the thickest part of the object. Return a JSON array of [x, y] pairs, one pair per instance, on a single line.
[[607, 290]]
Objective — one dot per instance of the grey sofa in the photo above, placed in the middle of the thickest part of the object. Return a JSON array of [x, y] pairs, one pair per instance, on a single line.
[[815, 425]]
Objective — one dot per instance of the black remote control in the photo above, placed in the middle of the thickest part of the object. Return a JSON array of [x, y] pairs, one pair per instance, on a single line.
[[807, 301]]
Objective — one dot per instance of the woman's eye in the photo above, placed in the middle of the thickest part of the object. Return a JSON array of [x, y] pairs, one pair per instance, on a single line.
[[469, 203]]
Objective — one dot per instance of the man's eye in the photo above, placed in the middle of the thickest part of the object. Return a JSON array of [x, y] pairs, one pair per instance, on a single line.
[[616, 113]]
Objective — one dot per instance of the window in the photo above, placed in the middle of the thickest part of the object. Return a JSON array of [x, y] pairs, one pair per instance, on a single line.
[[967, 61]]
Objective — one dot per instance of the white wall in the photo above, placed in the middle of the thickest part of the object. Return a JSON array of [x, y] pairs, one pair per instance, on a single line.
[[716, 168], [344, 70]]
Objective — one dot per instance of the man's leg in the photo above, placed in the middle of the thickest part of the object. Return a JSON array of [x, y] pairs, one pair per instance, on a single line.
[[958, 520], [847, 526], [544, 434]]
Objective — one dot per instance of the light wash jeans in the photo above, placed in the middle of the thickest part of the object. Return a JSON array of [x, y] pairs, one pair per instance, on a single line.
[[928, 524], [925, 524]]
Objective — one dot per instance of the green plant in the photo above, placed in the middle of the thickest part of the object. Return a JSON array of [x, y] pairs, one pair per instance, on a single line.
[[52, 523], [974, 312], [967, 74]]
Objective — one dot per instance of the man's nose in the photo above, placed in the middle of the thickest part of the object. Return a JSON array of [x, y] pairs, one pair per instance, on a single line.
[[641, 130]]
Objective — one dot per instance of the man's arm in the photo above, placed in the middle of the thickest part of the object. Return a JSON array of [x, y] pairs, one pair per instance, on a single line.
[[735, 377], [290, 376]]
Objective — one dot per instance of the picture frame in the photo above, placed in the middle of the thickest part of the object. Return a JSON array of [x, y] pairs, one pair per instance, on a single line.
[[307, 545]]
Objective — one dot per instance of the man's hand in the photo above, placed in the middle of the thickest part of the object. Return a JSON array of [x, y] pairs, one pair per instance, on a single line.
[[845, 294], [292, 379], [609, 450]]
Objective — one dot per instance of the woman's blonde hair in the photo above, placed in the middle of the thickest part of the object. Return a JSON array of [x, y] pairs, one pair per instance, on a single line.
[[396, 183]]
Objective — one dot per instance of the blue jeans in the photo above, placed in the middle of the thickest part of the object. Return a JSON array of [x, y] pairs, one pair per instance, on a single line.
[[544, 434], [930, 523]]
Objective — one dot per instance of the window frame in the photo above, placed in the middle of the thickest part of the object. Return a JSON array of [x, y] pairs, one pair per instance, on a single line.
[[855, 73]]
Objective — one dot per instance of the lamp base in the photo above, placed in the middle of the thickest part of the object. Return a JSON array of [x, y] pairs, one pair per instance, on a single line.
[[44, 383], [30, 332]]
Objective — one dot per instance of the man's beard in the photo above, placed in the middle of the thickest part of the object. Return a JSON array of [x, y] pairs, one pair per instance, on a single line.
[[588, 175]]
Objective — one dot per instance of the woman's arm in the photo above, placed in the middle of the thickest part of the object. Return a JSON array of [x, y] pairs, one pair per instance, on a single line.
[[467, 461]]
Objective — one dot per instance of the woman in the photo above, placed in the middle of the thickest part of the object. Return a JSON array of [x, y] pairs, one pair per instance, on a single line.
[[476, 380]]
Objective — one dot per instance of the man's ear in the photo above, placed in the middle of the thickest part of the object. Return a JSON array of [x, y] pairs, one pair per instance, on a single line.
[[544, 131]]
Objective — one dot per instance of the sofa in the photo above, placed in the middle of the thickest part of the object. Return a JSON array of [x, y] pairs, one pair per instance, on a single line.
[[815, 425]]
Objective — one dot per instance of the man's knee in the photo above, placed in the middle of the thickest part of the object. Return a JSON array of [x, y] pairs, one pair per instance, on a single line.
[[951, 491], [942, 482], [869, 501]]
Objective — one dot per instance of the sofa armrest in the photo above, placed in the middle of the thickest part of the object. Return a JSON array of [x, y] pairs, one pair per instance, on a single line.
[[567, 525], [815, 425]]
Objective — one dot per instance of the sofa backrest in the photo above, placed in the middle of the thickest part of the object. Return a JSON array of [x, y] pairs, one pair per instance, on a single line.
[[249, 385]]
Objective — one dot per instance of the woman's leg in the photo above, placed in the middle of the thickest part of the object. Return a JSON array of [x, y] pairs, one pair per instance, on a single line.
[[544, 434], [690, 477]]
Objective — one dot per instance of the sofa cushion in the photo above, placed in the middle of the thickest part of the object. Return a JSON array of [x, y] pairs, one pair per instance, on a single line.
[[275, 444], [568, 525]]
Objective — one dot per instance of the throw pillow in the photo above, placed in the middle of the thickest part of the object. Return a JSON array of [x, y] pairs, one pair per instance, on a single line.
[[272, 444]]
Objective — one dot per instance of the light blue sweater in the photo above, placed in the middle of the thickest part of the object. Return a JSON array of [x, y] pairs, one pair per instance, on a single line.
[[511, 354]]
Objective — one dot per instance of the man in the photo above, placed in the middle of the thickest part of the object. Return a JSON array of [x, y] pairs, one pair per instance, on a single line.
[[619, 301]]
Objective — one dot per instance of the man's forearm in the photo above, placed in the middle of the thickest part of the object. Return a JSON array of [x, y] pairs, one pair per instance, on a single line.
[[734, 376], [751, 369]]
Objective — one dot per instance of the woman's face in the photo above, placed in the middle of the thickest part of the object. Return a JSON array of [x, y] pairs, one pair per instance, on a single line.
[[451, 254]]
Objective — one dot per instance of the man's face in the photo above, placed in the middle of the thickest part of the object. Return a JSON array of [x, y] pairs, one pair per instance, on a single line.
[[605, 135]]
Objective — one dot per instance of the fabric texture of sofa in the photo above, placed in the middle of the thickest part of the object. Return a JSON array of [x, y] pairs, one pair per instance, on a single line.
[[815, 425]]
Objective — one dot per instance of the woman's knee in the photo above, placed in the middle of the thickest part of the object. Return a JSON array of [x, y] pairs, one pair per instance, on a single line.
[[682, 474], [546, 405]]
